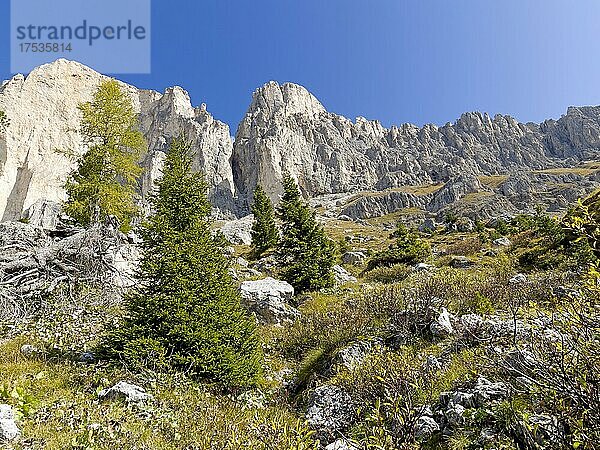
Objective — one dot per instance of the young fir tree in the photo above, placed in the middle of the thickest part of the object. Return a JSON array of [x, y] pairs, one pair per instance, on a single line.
[[305, 249], [106, 176], [186, 314], [264, 230]]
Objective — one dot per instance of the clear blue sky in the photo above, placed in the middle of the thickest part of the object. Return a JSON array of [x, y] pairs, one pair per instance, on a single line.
[[397, 61]]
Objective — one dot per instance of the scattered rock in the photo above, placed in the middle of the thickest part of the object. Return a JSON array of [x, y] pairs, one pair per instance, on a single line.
[[130, 393], [344, 218], [461, 262], [354, 258], [330, 409], [30, 350], [442, 326], [342, 276], [518, 278], [342, 444], [502, 242], [425, 426], [242, 262], [8, 427], [238, 232], [269, 299], [466, 399], [229, 250]]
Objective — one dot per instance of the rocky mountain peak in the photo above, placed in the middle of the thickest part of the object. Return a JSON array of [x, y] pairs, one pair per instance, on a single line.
[[274, 99]]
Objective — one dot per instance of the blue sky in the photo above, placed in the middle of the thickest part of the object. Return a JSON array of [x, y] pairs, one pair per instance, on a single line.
[[397, 61]]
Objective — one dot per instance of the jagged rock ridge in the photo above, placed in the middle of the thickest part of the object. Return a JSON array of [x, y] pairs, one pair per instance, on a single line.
[[287, 129]]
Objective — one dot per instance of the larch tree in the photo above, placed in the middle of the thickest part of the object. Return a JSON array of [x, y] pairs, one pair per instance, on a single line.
[[106, 177]]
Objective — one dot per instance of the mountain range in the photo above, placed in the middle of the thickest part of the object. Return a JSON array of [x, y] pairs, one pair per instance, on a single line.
[[478, 166]]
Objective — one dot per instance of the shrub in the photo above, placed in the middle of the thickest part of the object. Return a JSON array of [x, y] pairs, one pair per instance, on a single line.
[[392, 274], [407, 249], [187, 311]]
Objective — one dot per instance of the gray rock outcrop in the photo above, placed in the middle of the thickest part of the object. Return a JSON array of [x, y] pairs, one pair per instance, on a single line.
[[269, 299], [127, 392]]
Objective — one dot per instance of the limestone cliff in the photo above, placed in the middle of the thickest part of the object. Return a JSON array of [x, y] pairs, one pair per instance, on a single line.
[[44, 118]]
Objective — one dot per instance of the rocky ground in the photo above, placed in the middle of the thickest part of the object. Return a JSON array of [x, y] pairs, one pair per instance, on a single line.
[[468, 349]]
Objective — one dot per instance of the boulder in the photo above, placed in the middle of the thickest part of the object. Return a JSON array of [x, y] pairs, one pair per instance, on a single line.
[[127, 392], [8, 427], [442, 326], [356, 258], [485, 390], [424, 428], [238, 232], [518, 279], [461, 262], [422, 267], [342, 276], [44, 214], [502, 242], [428, 226], [455, 415], [269, 300], [342, 444], [330, 409], [353, 355]]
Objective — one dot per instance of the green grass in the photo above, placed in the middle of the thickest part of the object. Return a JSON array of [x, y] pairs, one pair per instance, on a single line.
[[59, 409]]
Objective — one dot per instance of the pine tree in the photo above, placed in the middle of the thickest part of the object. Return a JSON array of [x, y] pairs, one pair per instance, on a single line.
[[106, 176], [264, 230], [305, 250], [186, 314]]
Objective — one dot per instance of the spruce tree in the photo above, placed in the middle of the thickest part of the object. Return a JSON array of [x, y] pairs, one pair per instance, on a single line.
[[106, 176], [264, 230], [307, 253], [186, 313]]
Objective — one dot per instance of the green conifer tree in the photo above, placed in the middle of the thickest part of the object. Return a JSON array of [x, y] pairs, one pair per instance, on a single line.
[[264, 229], [307, 253], [186, 313], [106, 176]]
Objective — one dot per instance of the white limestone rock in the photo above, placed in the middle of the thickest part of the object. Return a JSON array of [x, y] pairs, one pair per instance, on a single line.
[[8, 427], [270, 300]]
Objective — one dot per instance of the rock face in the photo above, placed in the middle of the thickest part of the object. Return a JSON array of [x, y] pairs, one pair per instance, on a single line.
[[287, 129], [44, 118]]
